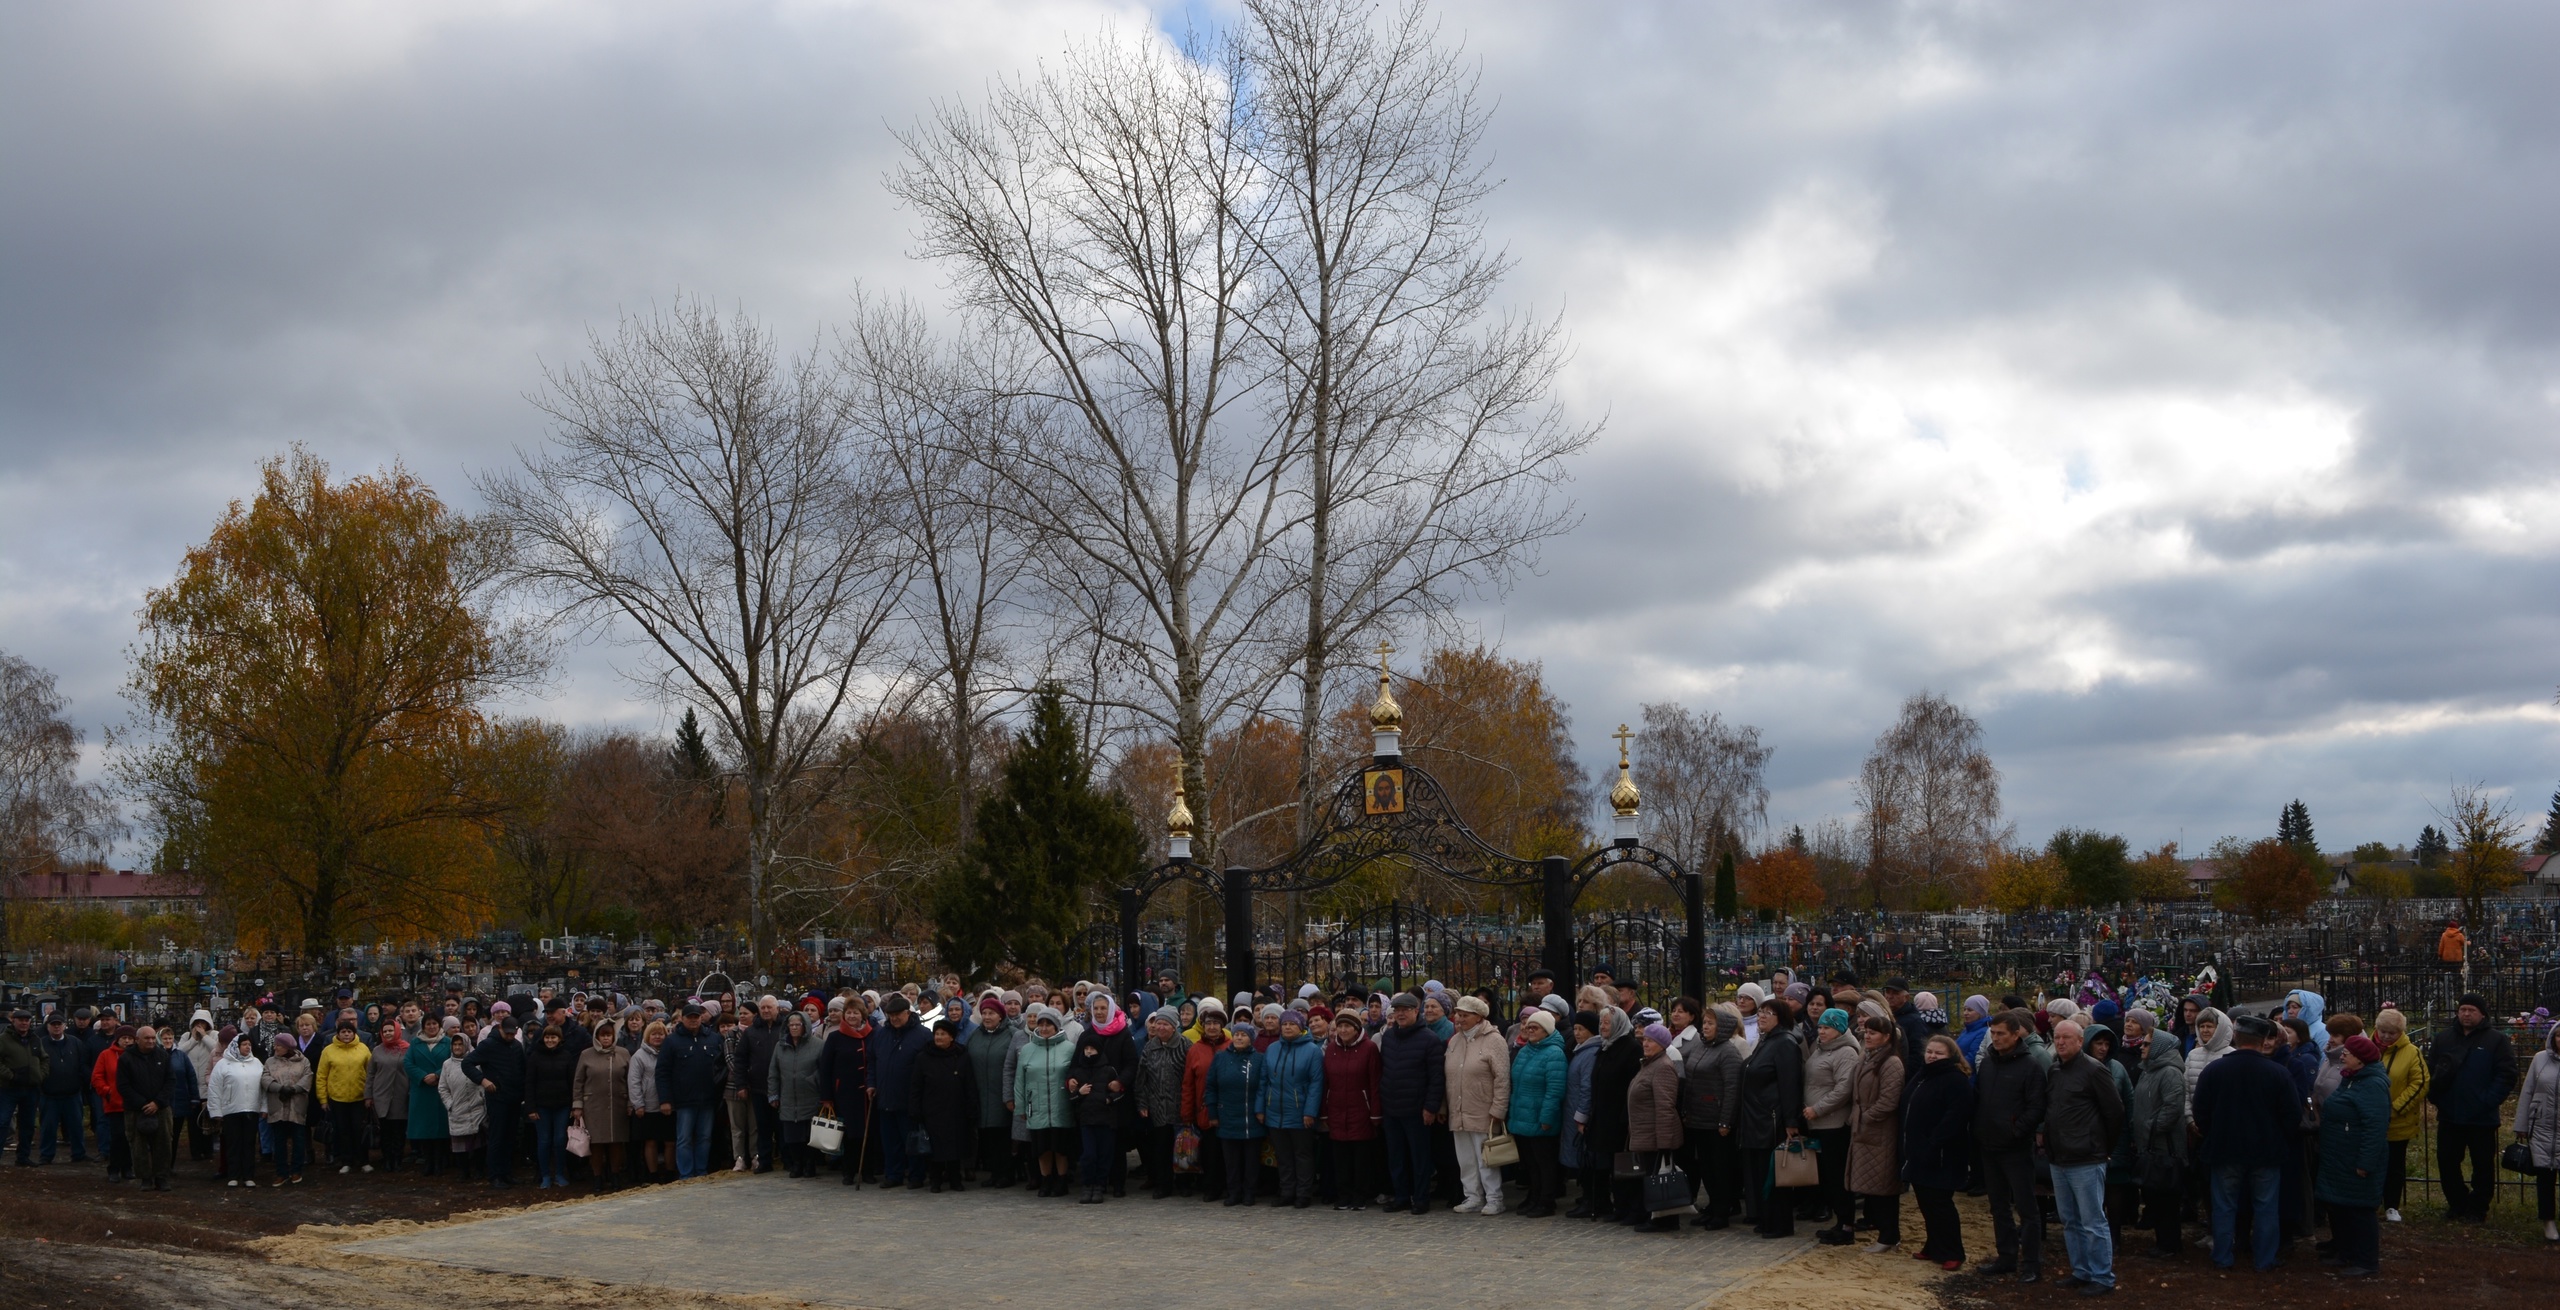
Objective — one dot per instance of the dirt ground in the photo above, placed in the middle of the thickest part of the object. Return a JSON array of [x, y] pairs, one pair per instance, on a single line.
[[74, 1240]]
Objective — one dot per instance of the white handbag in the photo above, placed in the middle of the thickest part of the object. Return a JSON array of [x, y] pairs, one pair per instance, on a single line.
[[827, 1135]]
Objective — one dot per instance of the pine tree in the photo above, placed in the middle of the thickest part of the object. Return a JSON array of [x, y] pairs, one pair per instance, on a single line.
[[1796, 841], [1728, 897], [692, 753], [2293, 828], [2432, 847], [1022, 891], [2549, 842]]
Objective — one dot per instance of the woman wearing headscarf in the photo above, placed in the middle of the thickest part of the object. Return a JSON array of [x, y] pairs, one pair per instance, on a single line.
[[844, 1088], [1653, 1116], [1875, 1134], [286, 1081], [1977, 1026], [1109, 1026], [945, 1096], [1161, 1064], [1772, 1116], [387, 1088], [466, 1104], [1605, 1132], [2213, 1041], [1040, 1098], [1710, 1103], [236, 1098], [1573, 1147], [1830, 1078], [2408, 1071], [600, 1101]]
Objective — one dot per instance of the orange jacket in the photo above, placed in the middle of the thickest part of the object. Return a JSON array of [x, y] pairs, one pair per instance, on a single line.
[[1195, 1073], [2450, 946], [102, 1079]]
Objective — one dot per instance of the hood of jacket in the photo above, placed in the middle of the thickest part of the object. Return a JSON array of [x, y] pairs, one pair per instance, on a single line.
[[2221, 1030], [2313, 1010], [2162, 1053], [1117, 1023]]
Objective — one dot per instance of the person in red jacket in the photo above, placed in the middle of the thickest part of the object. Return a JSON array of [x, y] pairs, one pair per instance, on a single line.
[[102, 1080], [1352, 1112], [1195, 1072]]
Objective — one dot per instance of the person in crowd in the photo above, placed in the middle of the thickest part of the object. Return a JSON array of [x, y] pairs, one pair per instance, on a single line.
[[2408, 1072], [1412, 1088], [1227, 1109], [1162, 1061], [1771, 1118], [1653, 1117], [1536, 1117], [992, 1044], [895, 1044], [2355, 1133], [2084, 1118], [1710, 1104], [2244, 1116], [845, 1093], [2009, 1091], [2537, 1126], [66, 1081], [1582, 1058], [1209, 1020], [236, 1098], [343, 1078], [1830, 1079], [1937, 1146], [1874, 1172], [386, 1089], [201, 1046], [750, 1063], [285, 1081], [1288, 1099], [1476, 1077], [1041, 1100], [600, 1103], [498, 1064], [944, 1092], [550, 1092], [2471, 1067], [466, 1104], [148, 1093], [2156, 1129], [108, 1102], [422, 1066]]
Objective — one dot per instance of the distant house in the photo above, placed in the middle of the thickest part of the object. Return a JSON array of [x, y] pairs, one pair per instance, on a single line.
[[2201, 876], [2541, 876], [125, 892]]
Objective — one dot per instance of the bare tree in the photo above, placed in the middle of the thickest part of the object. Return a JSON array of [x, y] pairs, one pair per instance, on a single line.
[[1928, 798], [1099, 209], [714, 501], [2488, 847], [1427, 447], [1704, 783], [47, 815]]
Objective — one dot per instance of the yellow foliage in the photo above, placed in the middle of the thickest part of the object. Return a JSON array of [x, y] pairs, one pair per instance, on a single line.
[[2016, 881]]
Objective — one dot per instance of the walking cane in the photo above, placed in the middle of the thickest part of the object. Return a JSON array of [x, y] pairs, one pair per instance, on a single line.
[[862, 1153]]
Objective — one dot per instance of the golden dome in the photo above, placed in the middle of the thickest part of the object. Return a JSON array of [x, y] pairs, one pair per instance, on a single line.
[[1624, 799], [1384, 714], [1177, 822]]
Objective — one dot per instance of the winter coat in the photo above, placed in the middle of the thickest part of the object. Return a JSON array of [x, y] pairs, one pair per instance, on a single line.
[[66, 1064], [1937, 1128], [286, 1080], [1290, 1088], [893, 1064], [844, 1070], [2246, 1110], [1975, 1035], [601, 1091], [1772, 1093], [550, 1076], [751, 1056], [498, 1060], [466, 1106], [2537, 1122], [2205, 1053], [945, 1091], [386, 1082], [1653, 1106], [343, 1072], [2470, 1073], [2355, 1132], [238, 1086], [2408, 1070], [1613, 1071], [1829, 1071], [1234, 1084], [987, 1051], [22, 1062], [1875, 1123], [692, 1068], [1476, 1073], [426, 1103], [2084, 1116], [143, 1078], [201, 1052], [1573, 1145], [1413, 1078], [1195, 1074], [791, 1079], [1537, 1088], [102, 1080], [2008, 1099], [1160, 1069], [1090, 1073], [1040, 1083], [2156, 1119], [1711, 1086]]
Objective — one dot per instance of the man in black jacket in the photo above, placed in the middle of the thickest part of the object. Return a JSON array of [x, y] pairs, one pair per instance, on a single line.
[[1411, 1083], [66, 1083], [2083, 1121], [748, 1074], [142, 1082], [2471, 1066], [692, 1068], [21, 1082], [2247, 1113], [2008, 1112], [497, 1064]]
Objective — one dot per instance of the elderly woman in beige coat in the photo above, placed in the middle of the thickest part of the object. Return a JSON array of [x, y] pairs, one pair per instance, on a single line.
[[1477, 1067], [599, 1101]]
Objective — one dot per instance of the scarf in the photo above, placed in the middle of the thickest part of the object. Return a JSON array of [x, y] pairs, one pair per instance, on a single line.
[[393, 1039]]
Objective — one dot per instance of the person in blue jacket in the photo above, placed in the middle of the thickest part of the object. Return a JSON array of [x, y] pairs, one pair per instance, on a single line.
[[2355, 1131], [895, 1044], [1570, 1146], [1288, 1102], [1537, 1109], [1227, 1099]]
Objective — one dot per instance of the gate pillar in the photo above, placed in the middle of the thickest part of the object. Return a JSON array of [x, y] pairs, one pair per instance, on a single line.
[[1693, 948], [1238, 885], [1555, 877]]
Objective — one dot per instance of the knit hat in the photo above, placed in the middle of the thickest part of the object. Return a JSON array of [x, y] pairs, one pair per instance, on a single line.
[[1978, 1004], [1309, 991], [1835, 1019], [1539, 1019], [1657, 1034], [1163, 1015], [1925, 1001], [1646, 1014], [2364, 1049], [1293, 1019], [1474, 1005], [1589, 1019], [2475, 1000], [1752, 990], [995, 1003], [1796, 992], [1210, 1005]]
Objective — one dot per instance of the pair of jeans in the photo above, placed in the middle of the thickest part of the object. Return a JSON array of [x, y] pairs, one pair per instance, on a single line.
[[2263, 1184], [1293, 1154], [1408, 1158], [551, 1144], [290, 1144], [1481, 1182], [894, 1164], [2017, 1222], [2358, 1230], [504, 1116], [154, 1138], [1100, 1143], [1942, 1231], [240, 1146], [693, 1139], [1243, 1161], [2080, 1193], [2476, 1144]]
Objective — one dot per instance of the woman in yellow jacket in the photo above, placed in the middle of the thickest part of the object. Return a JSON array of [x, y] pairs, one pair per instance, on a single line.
[[341, 1076], [2408, 1070]]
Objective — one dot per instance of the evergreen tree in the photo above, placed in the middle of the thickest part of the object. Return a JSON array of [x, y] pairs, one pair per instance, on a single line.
[[2432, 847], [1728, 898], [693, 754], [2549, 842], [1796, 841], [2293, 828], [1022, 890], [2098, 869]]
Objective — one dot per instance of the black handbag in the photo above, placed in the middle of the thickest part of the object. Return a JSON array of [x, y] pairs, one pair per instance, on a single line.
[[1667, 1192], [2518, 1159], [2159, 1171], [1626, 1166]]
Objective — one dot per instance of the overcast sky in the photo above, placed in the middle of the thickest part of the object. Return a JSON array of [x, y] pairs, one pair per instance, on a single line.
[[2175, 386]]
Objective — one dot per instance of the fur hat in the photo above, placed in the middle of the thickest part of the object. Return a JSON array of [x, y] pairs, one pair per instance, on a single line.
[[1474, 1005]]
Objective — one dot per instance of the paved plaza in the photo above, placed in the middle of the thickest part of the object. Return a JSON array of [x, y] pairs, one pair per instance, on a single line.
[[839, 1247]]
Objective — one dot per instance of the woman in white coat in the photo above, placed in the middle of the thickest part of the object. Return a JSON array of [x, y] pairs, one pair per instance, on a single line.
[[466, 1109], [237, 1101], [2537, 1125]]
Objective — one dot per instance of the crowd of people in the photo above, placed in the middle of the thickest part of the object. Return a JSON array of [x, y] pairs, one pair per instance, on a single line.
[[1787, 1102]]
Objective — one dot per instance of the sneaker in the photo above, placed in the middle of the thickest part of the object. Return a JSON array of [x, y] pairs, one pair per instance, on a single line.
[[367, 1169], [2096, 1289], [1494, 1208], [232, 1183], [1466, 1207], [342, 1169], [248, 1182], [1875, 1248], [2390, 1216]]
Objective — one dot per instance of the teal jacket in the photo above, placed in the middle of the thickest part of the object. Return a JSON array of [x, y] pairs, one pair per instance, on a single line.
[[2355, 1128], [426, 1106], [1230, 1091], [1292, 1084], [1537, 1088], [1040, 1083]]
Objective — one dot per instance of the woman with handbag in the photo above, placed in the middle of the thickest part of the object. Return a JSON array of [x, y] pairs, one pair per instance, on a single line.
[[1830, 1076], [550, 1085], [1653, 1129], [600, 1103], [2537, 1129], [1604, 1134], [1772, 1119]]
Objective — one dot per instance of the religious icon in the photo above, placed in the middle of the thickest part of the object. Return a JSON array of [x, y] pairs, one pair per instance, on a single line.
[[1386, 791]]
